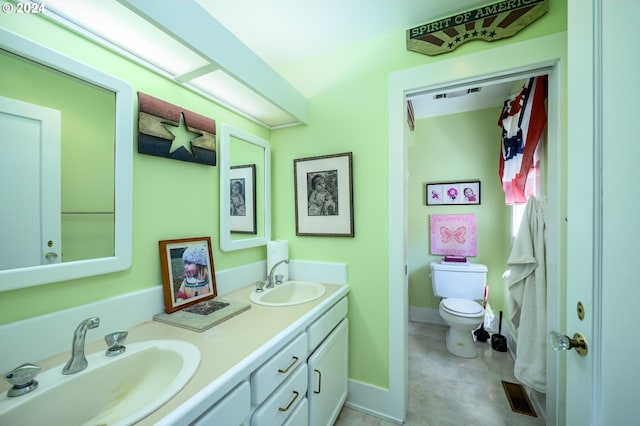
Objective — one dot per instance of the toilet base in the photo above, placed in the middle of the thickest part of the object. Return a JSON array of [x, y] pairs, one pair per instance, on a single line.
[[461, 343]]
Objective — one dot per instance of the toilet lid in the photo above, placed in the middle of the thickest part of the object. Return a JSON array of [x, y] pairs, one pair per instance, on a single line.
[[461, 306]]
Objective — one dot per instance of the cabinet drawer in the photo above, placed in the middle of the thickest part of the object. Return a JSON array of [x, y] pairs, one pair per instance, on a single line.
[[299, 417], [284, 401], [327, 322], [267, 377], [231, 410]]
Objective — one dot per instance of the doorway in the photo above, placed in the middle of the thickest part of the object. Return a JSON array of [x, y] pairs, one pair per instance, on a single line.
[[507, 62]]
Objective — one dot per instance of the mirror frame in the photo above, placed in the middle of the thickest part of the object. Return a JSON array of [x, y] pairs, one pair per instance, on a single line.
[[18, 278], [226, 243]]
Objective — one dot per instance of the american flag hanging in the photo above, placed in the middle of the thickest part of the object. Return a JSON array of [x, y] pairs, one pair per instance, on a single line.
[[523, 120]]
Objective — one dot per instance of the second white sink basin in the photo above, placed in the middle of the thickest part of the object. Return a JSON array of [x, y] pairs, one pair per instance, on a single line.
[[117, 390], [289, 293]]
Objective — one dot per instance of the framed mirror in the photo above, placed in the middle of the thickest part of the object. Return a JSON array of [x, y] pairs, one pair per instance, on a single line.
[[71, 127], [245, 189]]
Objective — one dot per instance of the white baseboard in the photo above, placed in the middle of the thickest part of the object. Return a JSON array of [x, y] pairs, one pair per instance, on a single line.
[[371, 400], [428, 315]]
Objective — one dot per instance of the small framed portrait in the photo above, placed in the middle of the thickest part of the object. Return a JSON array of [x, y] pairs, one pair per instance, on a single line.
[[188, 274], [448, 193], [242, 199], [324, 195]]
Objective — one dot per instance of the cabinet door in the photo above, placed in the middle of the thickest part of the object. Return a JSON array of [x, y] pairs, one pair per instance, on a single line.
[[328, 377]]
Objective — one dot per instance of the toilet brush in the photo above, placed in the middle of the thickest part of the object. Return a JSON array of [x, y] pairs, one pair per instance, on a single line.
[[498, 341], [481, 334]]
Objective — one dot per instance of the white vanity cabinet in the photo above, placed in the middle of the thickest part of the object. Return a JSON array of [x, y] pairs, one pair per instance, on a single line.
[[317, 362], [296, 376], [328, 365], [328, 380]]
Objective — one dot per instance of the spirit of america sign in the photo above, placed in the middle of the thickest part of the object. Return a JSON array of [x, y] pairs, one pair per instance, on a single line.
[[492, 22]]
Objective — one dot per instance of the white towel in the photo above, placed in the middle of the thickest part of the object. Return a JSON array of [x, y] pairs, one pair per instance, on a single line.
[[528, 297]]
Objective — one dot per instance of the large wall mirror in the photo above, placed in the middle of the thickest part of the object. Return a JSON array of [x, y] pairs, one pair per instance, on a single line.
[[245, 194], [66, 167]]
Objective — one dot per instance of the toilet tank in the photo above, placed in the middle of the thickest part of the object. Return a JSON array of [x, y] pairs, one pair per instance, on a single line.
[[465, 281]]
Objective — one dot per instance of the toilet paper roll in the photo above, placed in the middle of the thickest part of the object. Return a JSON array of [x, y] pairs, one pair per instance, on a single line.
[[278, 250]]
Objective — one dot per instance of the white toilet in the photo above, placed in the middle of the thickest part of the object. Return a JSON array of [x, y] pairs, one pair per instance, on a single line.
[[460, 285]]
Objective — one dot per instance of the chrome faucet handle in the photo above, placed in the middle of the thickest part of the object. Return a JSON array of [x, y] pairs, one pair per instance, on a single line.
[[23, 379], [279, 278], [115, 343], [260, 286]]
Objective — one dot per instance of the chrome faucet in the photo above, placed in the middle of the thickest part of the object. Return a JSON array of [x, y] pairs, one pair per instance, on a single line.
[[273, 269], [78, 361]]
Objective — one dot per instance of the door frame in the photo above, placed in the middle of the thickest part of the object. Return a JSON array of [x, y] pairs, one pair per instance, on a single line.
[[492, 64]]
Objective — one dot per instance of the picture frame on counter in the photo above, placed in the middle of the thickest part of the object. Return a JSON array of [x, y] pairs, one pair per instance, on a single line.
[[188, 273], [452, 193]]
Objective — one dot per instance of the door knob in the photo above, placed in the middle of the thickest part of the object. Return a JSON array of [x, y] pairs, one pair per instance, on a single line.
[[560, 342]]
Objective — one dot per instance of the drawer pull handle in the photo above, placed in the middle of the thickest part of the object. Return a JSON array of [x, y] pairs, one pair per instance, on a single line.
[[295, 396], [319, 381], [286, 370]]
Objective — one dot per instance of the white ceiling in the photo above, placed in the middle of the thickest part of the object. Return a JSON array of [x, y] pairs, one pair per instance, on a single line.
[[278, 31], [283, 31]]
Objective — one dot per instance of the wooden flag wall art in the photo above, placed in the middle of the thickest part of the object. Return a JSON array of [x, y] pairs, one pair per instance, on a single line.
[[168, 131], [492, 22]]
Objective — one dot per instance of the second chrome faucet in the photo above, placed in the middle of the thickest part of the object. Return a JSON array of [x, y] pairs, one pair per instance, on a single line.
[[270, 280]]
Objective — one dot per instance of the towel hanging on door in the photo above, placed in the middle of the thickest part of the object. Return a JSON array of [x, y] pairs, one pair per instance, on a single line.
[[523, 119], [528, 297]]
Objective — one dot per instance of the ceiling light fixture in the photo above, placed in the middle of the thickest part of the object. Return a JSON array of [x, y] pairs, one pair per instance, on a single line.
[[456, 93]]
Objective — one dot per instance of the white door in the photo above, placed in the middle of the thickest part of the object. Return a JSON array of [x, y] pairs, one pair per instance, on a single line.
[[30, 200], [603, 208], [328, 381]]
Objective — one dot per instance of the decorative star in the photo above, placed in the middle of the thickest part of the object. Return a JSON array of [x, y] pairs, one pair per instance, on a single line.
[[182, 136]]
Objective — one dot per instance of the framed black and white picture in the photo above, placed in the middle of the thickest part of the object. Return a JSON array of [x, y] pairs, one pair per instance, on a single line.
[[324, 195], [242, 199]]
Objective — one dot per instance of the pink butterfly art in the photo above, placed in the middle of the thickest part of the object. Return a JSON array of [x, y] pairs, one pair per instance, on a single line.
[[447, 234], [453, 234]]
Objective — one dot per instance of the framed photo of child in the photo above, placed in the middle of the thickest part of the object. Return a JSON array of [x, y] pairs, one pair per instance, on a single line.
[[324, 195], [188, 274], [242, 199]]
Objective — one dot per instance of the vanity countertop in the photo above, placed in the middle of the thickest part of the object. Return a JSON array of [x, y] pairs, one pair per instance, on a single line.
[[229, 350]]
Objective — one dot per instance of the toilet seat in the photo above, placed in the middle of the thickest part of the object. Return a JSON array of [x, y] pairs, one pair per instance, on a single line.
[[461, 307]]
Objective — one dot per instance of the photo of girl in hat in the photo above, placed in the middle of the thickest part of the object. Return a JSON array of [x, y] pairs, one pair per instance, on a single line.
[[196, 273]]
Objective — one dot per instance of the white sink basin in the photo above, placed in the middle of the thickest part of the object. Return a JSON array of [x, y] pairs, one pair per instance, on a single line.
[[112, 391], [289, 293]]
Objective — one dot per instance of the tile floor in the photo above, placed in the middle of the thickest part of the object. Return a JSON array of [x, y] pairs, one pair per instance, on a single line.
[[445, 390]]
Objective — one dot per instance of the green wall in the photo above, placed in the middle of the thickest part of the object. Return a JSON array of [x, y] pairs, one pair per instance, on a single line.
[[347, 92], [172, 199], [458, 147]]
